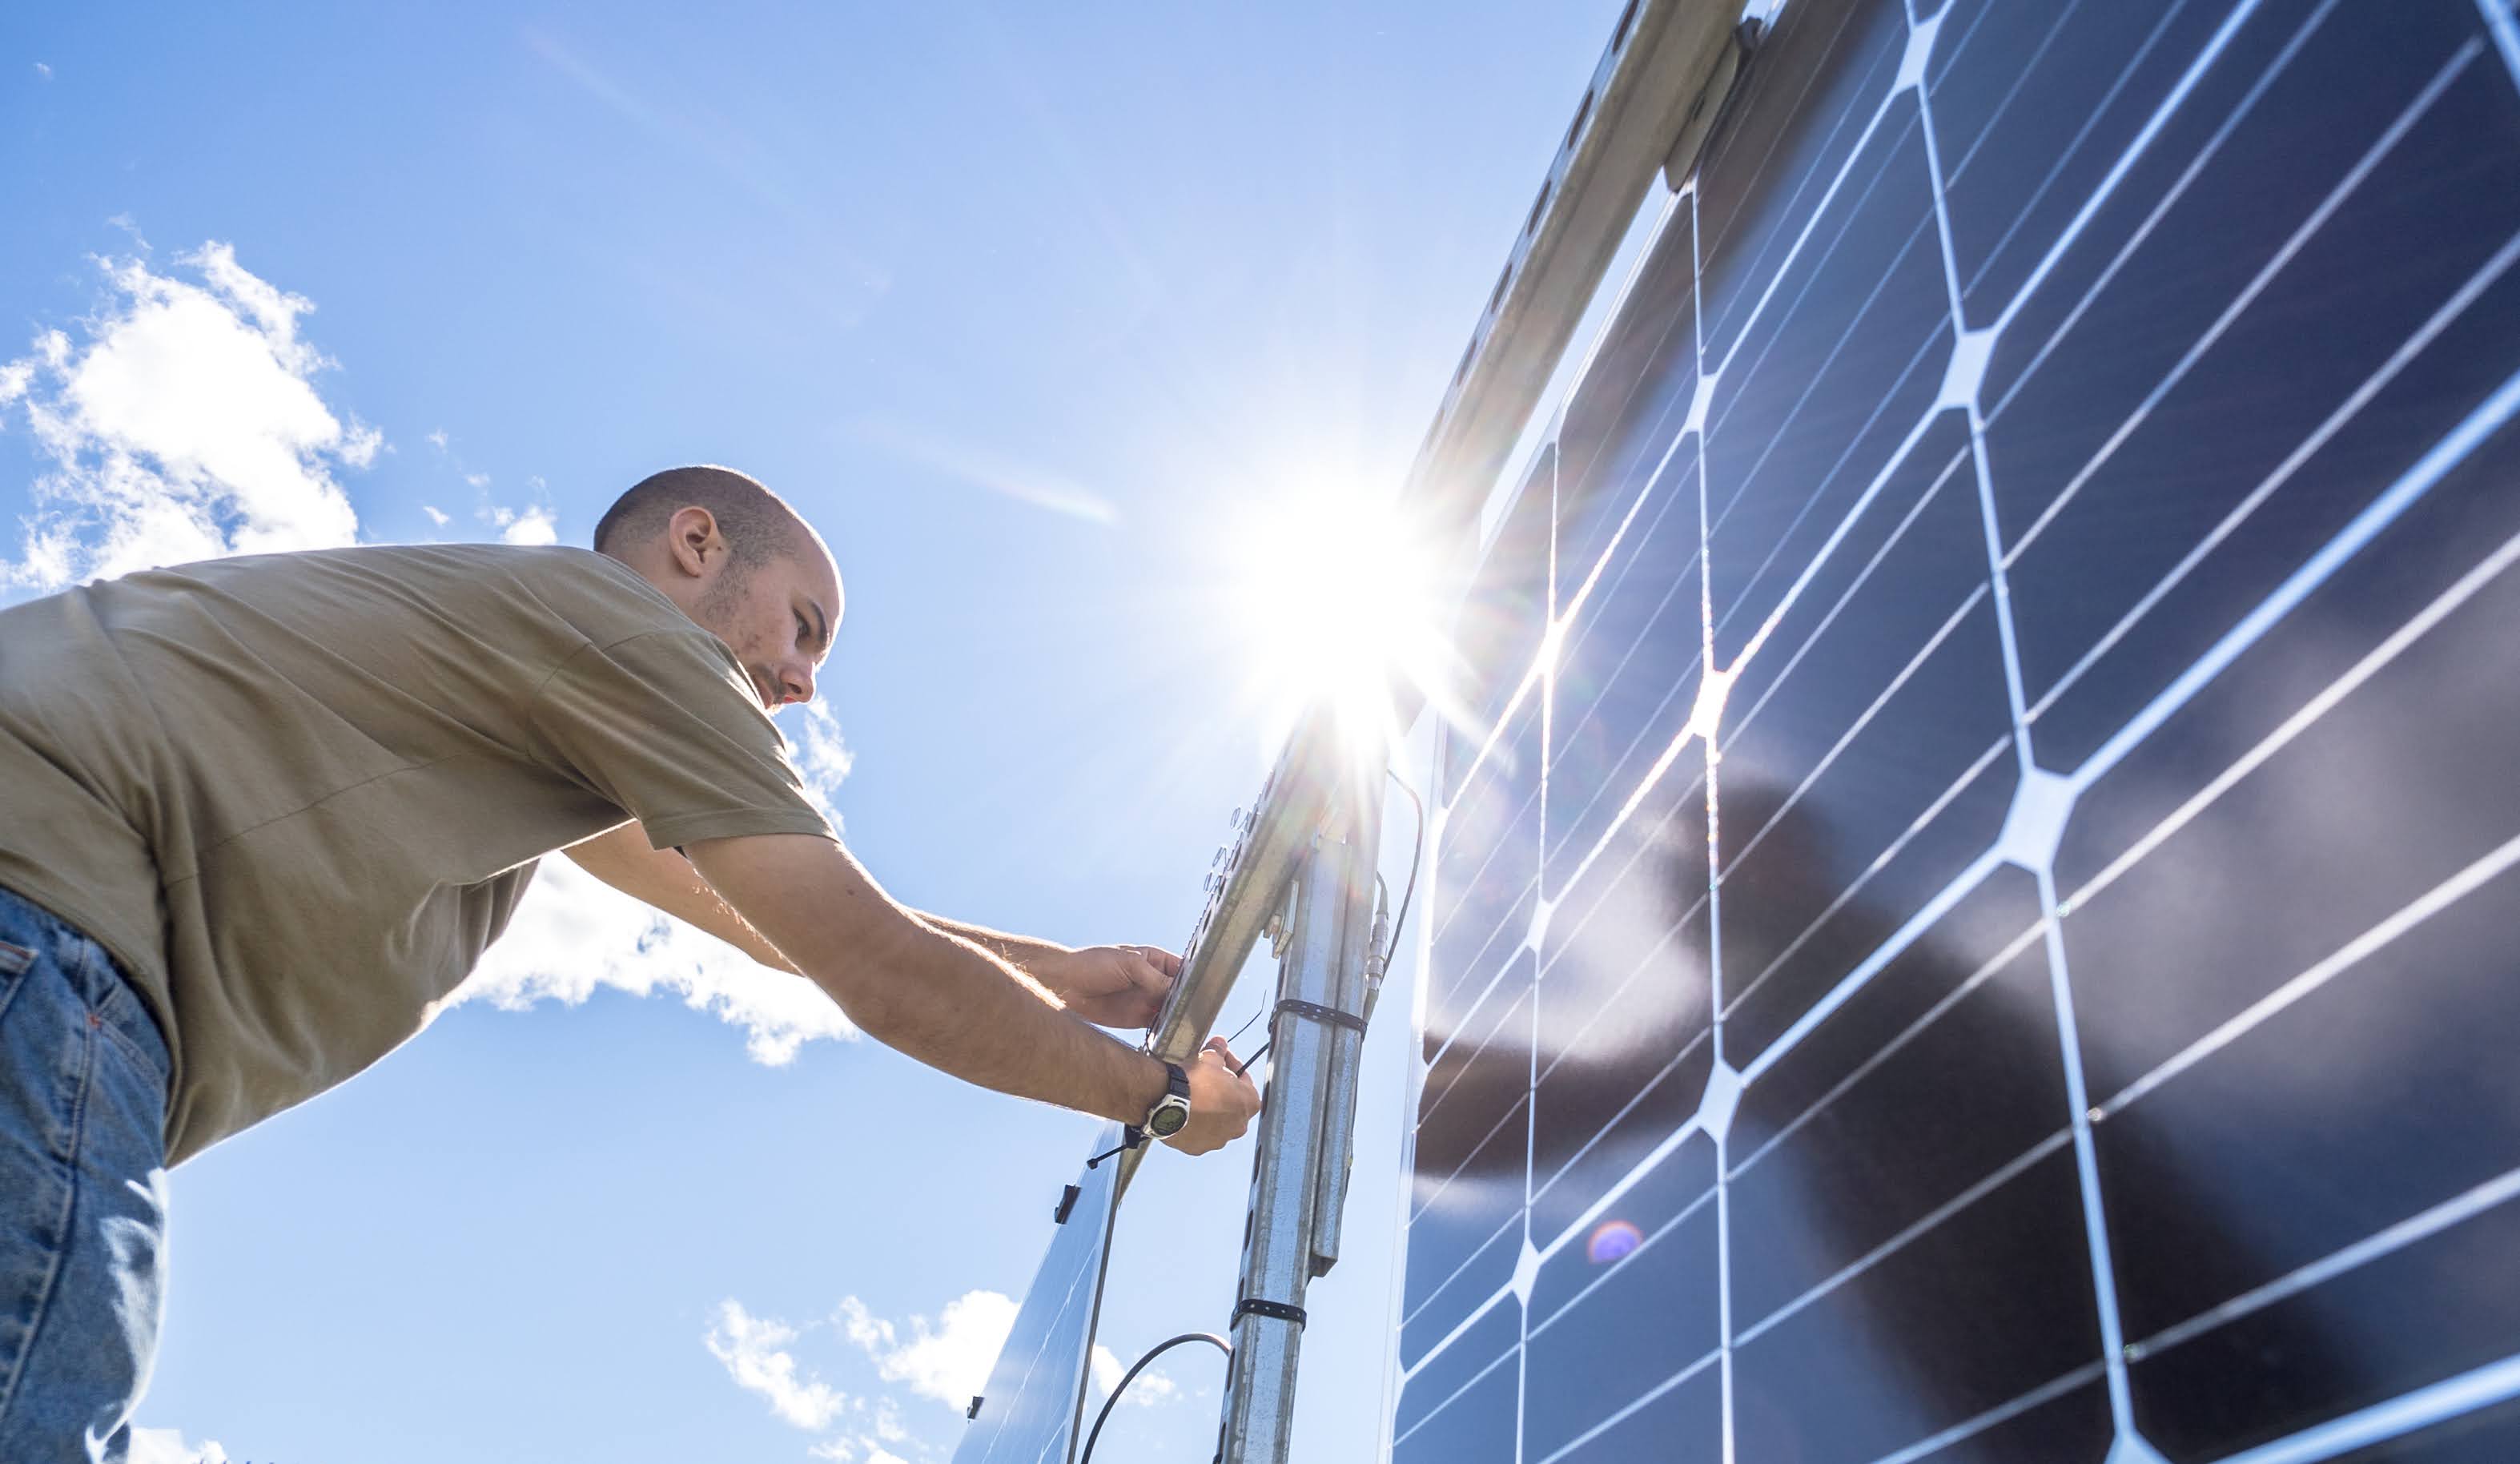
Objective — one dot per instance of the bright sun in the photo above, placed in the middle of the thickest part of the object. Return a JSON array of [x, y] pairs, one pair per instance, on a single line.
[[1336, 599]]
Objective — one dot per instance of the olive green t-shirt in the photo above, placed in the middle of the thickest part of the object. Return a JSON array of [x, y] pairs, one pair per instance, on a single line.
[[297, 794]]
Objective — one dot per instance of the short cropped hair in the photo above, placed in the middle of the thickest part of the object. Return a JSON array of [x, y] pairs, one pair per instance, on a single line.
[[758, 523]]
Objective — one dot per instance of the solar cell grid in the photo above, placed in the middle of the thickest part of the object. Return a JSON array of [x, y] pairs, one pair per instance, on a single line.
[[1991, 935]]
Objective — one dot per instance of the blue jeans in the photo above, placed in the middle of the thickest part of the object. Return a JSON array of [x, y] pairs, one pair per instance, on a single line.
[[84, 1076]]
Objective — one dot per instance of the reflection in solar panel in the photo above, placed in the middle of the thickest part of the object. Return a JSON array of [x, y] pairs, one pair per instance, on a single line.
[[1987, 931], [1028, 1414]]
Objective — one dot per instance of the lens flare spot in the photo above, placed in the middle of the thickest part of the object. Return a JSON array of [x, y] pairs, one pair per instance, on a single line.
[[1615, 1240]]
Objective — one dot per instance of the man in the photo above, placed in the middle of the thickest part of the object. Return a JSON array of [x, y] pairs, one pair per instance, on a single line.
[[257, 816]]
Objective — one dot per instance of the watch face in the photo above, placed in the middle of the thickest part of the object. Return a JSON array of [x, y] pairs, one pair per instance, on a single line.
[[1167, 1120]]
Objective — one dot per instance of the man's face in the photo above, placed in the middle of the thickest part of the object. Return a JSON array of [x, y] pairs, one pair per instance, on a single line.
[[779, 618]]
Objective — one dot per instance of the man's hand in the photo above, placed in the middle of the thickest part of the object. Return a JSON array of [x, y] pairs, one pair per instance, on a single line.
[[1108, 985], [1222, 1101]]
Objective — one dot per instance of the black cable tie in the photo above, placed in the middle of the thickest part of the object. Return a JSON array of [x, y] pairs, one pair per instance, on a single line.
[[1320, 1013], [1273, 1310], [1131, 1137]]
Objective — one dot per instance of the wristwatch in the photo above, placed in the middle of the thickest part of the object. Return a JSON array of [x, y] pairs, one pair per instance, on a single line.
[[1172, 1110]]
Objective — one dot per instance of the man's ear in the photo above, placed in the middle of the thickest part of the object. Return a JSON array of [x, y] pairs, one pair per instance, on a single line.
[[692, 539]]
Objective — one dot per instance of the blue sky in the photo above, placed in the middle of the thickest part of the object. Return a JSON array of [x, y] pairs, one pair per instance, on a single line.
[[1035, 310]]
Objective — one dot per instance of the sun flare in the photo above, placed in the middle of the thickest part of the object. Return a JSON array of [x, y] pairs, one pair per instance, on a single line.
[[1337, 600]]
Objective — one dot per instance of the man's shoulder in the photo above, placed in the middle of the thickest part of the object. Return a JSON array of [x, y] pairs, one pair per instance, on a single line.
[[599, 594]]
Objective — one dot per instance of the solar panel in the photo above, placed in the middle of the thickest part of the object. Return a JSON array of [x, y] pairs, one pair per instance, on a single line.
[[1976, 921], [1028, 1413]]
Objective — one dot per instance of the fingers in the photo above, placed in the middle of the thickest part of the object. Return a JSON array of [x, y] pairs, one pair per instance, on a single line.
[[1222, 1101], [1143, 987], [1149, 978], [1242, 1081], [1162, 960]]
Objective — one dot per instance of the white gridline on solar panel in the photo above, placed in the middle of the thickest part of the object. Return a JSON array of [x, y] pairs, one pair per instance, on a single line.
[[2435, 1403]]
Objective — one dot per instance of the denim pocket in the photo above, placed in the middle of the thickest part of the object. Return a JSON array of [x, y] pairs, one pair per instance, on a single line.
[[14, 959]]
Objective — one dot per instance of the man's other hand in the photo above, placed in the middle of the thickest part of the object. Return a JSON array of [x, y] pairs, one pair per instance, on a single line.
[[1222, 1101], [1110, 985]]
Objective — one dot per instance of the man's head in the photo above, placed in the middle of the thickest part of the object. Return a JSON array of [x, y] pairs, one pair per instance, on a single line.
[[739, 560]]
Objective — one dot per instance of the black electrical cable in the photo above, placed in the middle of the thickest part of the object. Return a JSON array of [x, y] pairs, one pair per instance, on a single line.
[[1160, 1348], [1245, 1027]]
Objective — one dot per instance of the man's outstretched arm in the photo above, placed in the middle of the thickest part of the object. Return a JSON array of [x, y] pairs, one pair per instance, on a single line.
[[944, 1000], [1115, 985]]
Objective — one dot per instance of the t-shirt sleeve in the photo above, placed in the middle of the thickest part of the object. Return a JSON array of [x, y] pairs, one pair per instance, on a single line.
[[664, 727]]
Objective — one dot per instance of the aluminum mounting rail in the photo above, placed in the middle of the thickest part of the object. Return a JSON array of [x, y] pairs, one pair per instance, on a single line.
[[1656, 91]]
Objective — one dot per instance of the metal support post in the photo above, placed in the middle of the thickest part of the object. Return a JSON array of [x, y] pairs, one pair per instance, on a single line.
[[1360, 952], [1300, 1156]]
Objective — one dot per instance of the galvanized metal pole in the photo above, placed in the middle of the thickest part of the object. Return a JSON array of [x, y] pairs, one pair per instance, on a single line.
[[1359, 952], [1314, 1050]]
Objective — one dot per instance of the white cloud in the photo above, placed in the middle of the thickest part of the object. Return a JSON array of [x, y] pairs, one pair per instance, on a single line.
[[1145, 1390], [167, 1446], [949, 1359], [533, 526], [754, 1352], [821, 758], [43, 70], [184, 425], [437, 437], [477, 480], [437, 514], [572, 935], [361, 444], [845, 1451], [888, 1426]]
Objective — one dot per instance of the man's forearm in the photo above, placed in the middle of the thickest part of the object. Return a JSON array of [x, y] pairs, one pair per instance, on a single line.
[[1014, 950], [623, 859], [929, 994]]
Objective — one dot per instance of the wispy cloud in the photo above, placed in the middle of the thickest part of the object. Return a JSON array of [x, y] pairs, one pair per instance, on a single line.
[[181, 423], [873, 1436], [981, 468], [167, 1446], [754, 1350], [43, 72], [845, 285], [533, 525]]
